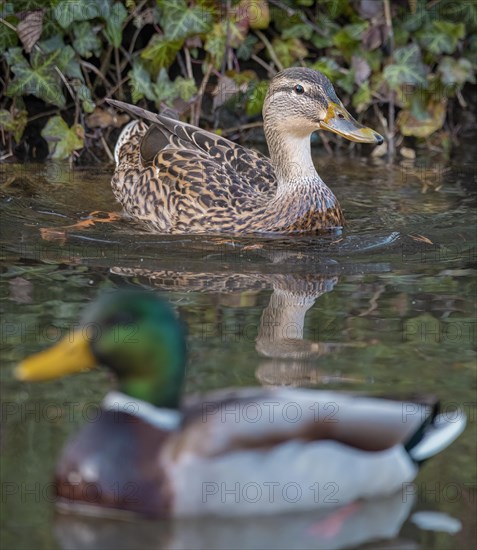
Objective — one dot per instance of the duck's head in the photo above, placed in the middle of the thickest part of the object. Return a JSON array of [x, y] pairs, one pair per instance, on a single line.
[[300, 101], [134, 334]]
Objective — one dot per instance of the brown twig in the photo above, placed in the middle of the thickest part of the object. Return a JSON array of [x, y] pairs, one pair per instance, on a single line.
[[270, 70], [7, 155], [373, 302], [270, 50], [224, 63], [135, 11], [105, 63], [200, 94], [136, 34], [91, 67], [118, 73], [112, 91], [391, 106], [249, 126], [127, 58], [190, 75], [106, 148], [326, 143], [301, 15], [181, 64], [47, 113]]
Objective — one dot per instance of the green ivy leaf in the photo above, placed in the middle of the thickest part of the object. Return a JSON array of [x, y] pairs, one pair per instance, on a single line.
[[15, 123], [67, 60], [406, 69], [114, 24], [346, 81], [8, 37], [401, 37], [180, 21], [335, 8], [320, 42], [421, 120], [62, 141], [362, 98], [328, 67], [246, 48], [52, 44], [302, 30], [442, 37], [417, 105], [461, 11], [349, 37], [86, 41], [163, 88], [15, 58], [256, 96], [374, 58], [140, 82], [161, 52], [68, 63], [289, 50], [215, 44], [283, 20], [185, 88], [67, 12], [412, 21], [83, 93], [39, 79], [456, 71]]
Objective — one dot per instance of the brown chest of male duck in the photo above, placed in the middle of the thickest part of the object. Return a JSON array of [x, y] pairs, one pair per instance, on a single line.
[[179, 178]]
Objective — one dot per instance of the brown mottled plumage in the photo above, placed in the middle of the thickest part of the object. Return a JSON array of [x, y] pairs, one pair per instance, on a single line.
[[179, 178]]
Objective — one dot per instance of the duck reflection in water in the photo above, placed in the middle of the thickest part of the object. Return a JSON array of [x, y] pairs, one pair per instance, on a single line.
[[349, 526], [286, 357]]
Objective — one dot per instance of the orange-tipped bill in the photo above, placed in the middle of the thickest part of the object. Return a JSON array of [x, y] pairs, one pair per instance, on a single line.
[[70, 355], [339, 121]]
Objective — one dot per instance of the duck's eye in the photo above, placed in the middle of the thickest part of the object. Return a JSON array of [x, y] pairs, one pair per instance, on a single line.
[[341, 115], [299, 89]]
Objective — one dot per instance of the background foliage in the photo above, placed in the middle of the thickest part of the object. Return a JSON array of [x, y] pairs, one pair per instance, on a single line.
[[405, 66]]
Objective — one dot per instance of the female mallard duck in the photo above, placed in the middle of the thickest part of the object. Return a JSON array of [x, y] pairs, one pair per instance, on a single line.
[[246, 451], [179, 178]]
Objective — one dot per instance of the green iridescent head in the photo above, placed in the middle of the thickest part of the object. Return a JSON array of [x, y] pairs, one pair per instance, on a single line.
[[133, 333]]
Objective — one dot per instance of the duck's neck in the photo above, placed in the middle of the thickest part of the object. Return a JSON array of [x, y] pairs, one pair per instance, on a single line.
[[291, 158], [284, 317], [159, 393], [157, 376]]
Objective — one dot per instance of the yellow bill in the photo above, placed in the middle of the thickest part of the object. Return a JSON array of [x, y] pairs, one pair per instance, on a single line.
[[70, 355], [340, 122]]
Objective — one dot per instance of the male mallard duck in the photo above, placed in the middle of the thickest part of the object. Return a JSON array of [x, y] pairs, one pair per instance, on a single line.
[[247, 451], [179, 178]]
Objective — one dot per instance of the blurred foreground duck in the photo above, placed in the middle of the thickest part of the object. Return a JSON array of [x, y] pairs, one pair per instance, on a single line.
[[238, 452], [180, 178]]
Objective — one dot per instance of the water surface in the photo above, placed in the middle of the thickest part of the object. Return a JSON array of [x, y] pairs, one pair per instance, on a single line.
[[386, 307]]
